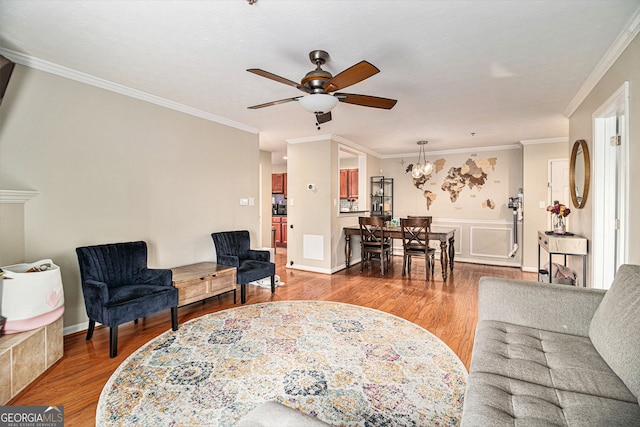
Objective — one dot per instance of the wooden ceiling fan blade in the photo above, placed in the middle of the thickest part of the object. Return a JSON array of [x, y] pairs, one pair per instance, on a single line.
[[366, 100], [355, 74], [278, 79], [269, 104]]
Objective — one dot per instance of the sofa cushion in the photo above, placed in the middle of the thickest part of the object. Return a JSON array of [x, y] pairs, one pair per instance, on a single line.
[[550, 359], [615, 327], [497, 401], [525, 376]]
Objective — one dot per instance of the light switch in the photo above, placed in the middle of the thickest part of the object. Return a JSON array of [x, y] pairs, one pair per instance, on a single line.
[[244, 202], [251, 201], [543, 204]]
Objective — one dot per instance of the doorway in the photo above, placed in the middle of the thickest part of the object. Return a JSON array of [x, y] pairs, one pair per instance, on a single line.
[[611, 196], [558, 184]]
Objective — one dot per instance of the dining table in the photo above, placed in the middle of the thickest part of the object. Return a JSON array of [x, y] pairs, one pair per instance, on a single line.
[[446, 238]]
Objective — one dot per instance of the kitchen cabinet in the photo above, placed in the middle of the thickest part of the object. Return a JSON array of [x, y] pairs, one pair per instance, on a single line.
[[275, 223], [349, 183], [277, 183], [343, 183], [279, 223], [352, 183]]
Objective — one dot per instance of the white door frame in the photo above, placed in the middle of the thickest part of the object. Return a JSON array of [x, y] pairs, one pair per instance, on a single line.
[[610, 249], [550, 181]]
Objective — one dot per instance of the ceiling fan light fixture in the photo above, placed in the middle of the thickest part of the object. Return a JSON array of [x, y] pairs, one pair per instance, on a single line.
[[318, 103]]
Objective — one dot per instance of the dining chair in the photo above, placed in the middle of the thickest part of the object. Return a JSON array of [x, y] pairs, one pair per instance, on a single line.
[[415, 242], [429, 218], [373, 241]]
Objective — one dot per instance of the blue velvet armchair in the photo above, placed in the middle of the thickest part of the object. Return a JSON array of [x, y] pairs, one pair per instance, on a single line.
[[118, 287], [233, 249]]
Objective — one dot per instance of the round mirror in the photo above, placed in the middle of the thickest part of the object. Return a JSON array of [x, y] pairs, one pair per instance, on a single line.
[[579, 173]]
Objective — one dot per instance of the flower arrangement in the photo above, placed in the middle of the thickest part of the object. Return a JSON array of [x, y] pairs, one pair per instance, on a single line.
[[559, 209]]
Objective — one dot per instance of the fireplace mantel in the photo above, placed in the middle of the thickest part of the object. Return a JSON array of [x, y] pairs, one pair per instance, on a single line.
[[16, 196]]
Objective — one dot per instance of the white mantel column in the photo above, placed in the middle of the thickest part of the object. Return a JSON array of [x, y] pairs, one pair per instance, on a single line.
[[12, 225]]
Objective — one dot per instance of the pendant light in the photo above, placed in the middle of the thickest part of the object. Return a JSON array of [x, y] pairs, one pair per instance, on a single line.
[[422, 168]]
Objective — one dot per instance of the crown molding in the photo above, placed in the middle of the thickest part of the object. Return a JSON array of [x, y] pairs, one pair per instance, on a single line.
[[562, 139], [325, 137], [16, 196], [626, 36], [336, 138], [457, 151], [59, 70]]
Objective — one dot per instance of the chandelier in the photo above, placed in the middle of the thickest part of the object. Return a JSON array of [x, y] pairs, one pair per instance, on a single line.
[[423, 167]]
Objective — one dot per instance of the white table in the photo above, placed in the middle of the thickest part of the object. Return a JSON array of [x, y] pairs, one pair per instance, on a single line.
[[566, 245]]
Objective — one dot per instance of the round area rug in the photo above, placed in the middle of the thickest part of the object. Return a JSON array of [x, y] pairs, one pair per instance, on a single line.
[[347, 365]]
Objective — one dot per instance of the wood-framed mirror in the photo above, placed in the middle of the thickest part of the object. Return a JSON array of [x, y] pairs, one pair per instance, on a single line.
[[579, 173]]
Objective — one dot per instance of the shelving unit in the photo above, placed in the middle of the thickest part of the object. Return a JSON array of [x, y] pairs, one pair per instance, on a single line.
[[381, 196]]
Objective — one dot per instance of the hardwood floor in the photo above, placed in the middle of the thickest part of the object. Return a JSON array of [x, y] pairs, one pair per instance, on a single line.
[[447, 309]]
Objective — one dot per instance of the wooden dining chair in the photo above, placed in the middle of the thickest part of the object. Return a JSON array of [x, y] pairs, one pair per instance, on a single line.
[[373, 241], [415, 242], [429, 218]]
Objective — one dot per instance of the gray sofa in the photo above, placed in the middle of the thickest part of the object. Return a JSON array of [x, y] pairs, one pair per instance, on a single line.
[[555, 355]]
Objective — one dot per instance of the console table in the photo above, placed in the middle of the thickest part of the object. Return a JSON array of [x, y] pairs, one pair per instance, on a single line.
[[196, 282], [566, 245]]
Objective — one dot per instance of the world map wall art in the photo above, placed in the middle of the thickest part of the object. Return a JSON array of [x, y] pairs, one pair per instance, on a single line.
[[471, 174]]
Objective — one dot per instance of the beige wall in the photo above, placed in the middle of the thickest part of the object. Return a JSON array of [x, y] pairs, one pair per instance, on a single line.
[[309, 211], [265, 198], [626, 68], [282, 168], [110, 168]]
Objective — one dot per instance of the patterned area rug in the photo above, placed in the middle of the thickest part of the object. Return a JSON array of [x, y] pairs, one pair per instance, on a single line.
[[345, 364]]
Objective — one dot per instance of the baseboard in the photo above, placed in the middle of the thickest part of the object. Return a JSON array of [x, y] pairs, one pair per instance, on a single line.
[[68, 330], [309, 268], [486, 262]]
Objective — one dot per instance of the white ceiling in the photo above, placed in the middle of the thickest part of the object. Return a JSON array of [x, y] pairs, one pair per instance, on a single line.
[[505, 70]]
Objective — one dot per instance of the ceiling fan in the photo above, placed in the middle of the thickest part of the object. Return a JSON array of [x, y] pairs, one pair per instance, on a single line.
[[320, 88]]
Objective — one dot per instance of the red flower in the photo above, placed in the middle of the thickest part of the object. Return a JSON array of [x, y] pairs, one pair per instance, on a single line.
[[559, 209]]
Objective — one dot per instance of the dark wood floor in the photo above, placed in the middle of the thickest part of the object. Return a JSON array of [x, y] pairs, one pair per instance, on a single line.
[[447, 309]]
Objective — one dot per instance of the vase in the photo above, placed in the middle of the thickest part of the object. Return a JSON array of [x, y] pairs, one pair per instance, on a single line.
[[559, 226]]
